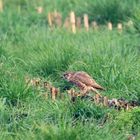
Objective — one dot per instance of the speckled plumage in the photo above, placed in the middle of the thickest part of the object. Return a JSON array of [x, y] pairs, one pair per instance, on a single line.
[[83, 81]]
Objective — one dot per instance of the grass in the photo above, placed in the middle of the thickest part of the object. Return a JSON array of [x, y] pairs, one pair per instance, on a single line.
[[29, 47]]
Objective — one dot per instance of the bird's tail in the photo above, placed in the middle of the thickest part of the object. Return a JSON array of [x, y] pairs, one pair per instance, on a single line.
[[97, 86]]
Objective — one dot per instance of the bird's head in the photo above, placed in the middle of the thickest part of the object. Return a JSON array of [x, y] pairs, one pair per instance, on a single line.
[[68, 75]]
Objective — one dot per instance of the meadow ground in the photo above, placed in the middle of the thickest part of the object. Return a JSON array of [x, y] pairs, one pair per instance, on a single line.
[[29, 47]]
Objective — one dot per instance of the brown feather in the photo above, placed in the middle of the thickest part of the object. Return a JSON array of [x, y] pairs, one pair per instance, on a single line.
[[81, 79], [84, 78], [97, 86]]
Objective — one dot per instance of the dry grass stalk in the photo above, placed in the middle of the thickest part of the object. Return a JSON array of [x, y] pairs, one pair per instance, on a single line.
[[72, 21], [119, 26], [94, 25], [72, 93], [50, 19], [57, 19], [105, 101], [86, 23], [78, 22], [35, 82], [130, 23], [32, 82], [109, 26], [46, 85], [53, 91], [40, 10], [131, 137], [97, 98], [1, 6]]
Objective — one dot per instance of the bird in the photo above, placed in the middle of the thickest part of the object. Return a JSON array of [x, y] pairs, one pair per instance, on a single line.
[[83, 81]]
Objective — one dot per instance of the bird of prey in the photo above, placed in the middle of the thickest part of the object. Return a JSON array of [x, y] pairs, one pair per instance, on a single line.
[[83, 81]]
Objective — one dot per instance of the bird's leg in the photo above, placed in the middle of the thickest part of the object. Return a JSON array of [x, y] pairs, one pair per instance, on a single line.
[[84, 92], [94, 90], [83, 88]]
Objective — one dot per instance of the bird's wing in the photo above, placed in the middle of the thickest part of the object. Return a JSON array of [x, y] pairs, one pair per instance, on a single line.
[[77, 82], [87, 80], [84, 78]]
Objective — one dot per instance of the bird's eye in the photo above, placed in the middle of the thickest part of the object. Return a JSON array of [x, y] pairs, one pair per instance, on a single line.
[[65, 75]]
